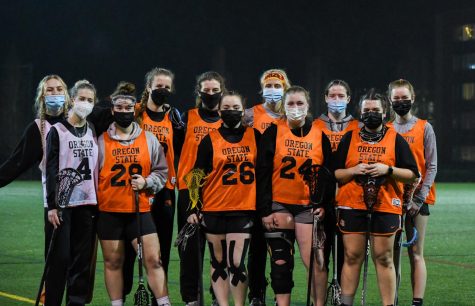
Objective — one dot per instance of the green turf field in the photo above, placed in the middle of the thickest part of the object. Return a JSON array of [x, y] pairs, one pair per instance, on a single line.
[[449, 251]]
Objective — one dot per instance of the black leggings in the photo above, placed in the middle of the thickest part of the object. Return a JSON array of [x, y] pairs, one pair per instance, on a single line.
[[71, 256]]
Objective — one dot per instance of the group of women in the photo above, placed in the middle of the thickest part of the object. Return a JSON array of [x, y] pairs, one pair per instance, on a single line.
[[254, 199]]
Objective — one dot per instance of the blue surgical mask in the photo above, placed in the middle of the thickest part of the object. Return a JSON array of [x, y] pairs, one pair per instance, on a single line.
[[337, 107], [54, 103], [272, 95]]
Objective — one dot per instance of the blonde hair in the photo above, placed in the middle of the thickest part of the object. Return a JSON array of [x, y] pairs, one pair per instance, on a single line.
[[282, 75], [40, 106], [82, 84]]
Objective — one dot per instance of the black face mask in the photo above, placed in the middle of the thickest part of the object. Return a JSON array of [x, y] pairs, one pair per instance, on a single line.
[[231, 117], [402, 107], [210, 101], [160, 96], [124, 120], [372, 120]]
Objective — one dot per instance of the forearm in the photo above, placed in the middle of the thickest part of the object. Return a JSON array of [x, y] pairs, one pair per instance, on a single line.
[[403, 175], [343, 176]]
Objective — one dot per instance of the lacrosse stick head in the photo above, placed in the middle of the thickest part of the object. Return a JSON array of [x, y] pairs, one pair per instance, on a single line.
[[334, 293], [66, 180], [415, 235], [141, 297], [371, 187], [186, 232], [194, 180], [317, 178], [409, 190]]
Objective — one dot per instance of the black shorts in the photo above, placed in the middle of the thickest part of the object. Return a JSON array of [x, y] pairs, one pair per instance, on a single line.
[[354, 221], [226, 224], [123, 226], [301, 213], [424, 211]]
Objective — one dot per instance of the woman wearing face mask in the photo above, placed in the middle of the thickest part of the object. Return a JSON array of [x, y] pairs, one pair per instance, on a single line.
[[228, 157], [421, 138], [72, 143], [286, 147], [273, 84], [130, 160], [199, 122], [156, 116], [377, 153], [52, 103], [335, 123]]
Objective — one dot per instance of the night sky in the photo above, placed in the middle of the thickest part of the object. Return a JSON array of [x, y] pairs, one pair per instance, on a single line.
[[367, 43]]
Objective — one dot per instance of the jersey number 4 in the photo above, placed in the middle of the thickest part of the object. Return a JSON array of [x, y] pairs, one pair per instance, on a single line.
[[287, 170], [246, 176], [117, 180], [84, 169]]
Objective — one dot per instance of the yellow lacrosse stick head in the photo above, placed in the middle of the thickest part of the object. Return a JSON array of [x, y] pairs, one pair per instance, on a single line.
[[194, 180]]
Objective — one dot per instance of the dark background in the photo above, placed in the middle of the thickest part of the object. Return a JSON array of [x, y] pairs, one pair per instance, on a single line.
[[367, 43]]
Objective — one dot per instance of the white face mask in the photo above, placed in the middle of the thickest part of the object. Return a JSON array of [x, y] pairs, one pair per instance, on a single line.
[[82, 108], [296, 113]]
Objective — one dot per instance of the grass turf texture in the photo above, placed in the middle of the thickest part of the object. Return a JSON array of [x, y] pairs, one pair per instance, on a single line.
[[449, 252]]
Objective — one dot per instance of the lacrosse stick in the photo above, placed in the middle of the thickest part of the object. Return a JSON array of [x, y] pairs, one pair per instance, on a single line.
[[334, 290], [141, 297], [408, 194], [371, 186], [316, 177], [194, 180], [66, 180]]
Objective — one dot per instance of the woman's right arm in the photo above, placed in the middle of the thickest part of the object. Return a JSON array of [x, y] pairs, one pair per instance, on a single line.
[[28, 152], [342, 174], [264, 170]]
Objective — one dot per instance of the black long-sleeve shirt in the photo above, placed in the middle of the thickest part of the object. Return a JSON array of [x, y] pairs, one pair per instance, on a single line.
[[265, 166], [27, 153]]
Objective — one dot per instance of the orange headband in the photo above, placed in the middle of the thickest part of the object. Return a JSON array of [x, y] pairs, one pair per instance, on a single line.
[[274, 75]]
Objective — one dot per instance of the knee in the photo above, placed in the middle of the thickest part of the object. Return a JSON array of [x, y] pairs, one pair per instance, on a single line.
[[113, 263], [353, 258], [282, 263], [384, 260], [417, 258], [153, 262]]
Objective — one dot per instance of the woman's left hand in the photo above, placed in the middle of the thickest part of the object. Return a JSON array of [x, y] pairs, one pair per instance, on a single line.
[[319, 212], [138, 182], [377, 169]]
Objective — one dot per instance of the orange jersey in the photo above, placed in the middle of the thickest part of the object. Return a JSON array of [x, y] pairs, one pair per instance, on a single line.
[[196, 130], [163, 130], [262, 120], [335, 137], [415, 139], [293, 153], [115, 192], [359, 151], [231, 185]]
